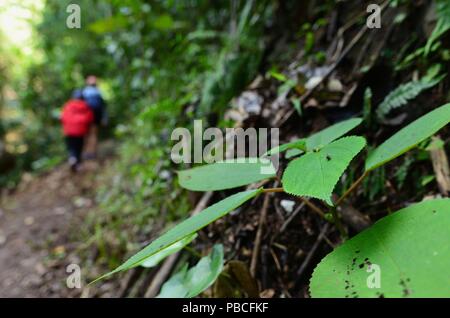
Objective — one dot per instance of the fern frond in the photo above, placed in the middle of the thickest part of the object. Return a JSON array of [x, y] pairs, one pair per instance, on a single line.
[[406, 92], [442, 25]]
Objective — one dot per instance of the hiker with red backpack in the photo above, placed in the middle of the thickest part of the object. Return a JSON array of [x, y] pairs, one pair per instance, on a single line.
[[76, 119]]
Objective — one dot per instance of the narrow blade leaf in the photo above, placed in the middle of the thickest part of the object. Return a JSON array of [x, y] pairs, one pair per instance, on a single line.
[[169, 250], [299, 144], [187, 228], [408, 137], [334, 132], [226, 175], [319, 139]]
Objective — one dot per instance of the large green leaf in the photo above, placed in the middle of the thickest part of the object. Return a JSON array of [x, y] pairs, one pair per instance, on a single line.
[[169, 250], [409, 249], [316, 173], [324, 137], [187, 228], [408, 137], [226, 175], [190, 283]]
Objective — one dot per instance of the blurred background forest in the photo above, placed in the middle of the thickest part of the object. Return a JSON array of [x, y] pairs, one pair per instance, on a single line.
[[162, 64]]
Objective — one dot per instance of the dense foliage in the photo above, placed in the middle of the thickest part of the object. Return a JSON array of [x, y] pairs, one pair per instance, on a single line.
[[355, 125]]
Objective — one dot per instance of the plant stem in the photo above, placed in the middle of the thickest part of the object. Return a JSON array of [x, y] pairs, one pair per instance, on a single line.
[[270, 190], [313, 207], [352, 187], [338, 223], [193, 252]]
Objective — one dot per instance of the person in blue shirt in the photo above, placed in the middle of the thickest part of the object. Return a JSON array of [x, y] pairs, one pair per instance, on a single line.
[[94, 99]]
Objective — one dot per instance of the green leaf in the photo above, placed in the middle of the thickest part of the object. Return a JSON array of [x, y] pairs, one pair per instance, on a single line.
[[408, 137], [290, 153], [317, 140], [163, 22], [426, 180], [187, 228], [442, 25], [169, 250], [190, 283], [324, 137], [297, 105], [316, 173], [278, 76], [299, 144], [175, 287], [109, 24], [227, 174], [410, 248]]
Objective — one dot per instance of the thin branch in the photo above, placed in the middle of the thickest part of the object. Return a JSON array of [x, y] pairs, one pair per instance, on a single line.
[[292, 216], [313, 207], [271, 190]]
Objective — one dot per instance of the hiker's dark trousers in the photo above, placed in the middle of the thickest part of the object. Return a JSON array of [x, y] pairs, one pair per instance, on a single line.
[[75, 147]]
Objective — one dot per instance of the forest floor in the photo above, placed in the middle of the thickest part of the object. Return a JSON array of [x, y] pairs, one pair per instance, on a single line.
[[38, 226]]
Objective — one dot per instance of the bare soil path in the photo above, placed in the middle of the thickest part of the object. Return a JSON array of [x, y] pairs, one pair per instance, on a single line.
[[37, 226]]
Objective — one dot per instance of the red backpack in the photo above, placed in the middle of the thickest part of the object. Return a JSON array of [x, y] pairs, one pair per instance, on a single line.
[[76, 118]]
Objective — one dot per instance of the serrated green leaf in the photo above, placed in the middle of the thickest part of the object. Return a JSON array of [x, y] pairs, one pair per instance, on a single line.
[[187, 228], [324, 137], [227, 174], [408, 137], [169, 250], [316, 173], [410, 250], [190, 283]]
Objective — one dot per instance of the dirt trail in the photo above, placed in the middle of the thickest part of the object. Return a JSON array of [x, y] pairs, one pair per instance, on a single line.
[[37, 223]]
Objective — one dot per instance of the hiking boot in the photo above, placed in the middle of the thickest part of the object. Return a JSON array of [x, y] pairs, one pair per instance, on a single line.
[[73, 163]]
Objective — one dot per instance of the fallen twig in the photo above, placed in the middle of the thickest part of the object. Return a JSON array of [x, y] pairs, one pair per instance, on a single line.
[[256, 249], [312, 251], [161, 276], [441, 169], [355, 219], [291, 217]]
